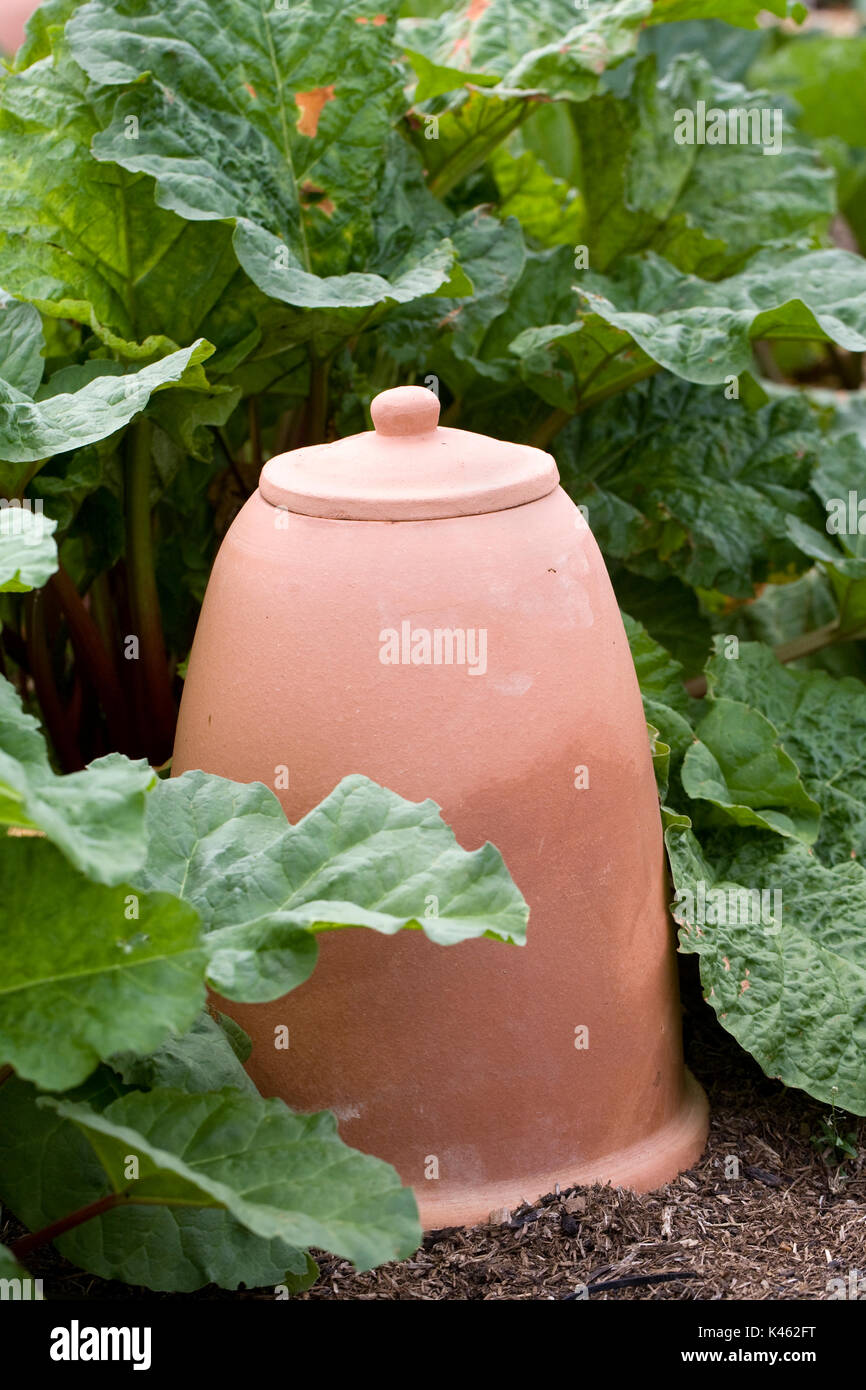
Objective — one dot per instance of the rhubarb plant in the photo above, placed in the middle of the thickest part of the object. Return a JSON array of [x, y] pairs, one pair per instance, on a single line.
[[124, 896], [631, 233], [765, 833]]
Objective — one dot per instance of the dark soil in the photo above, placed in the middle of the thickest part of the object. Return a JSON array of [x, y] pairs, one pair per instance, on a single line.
[[792, 1221]]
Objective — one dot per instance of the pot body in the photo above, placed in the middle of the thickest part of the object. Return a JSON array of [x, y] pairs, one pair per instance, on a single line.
[[484, 1072], [14, 16]]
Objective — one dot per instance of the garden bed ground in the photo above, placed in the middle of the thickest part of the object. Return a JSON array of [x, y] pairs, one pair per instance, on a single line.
[[783, 1229], [791, 1222]]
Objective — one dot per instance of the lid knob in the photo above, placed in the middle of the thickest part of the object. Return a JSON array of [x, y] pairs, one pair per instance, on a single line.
[[405, 410]]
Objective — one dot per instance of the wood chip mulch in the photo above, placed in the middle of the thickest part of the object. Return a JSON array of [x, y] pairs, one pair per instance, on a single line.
[[793, 1220]]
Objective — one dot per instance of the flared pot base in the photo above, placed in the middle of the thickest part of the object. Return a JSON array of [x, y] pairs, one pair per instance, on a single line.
[[643, 1167]]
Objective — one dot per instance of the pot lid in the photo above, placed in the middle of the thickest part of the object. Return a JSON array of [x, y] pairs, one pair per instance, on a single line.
[[409, 468]]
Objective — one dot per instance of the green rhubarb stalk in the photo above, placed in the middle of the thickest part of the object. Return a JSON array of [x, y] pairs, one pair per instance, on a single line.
[[317, 403], [157, 712], [470, 156]]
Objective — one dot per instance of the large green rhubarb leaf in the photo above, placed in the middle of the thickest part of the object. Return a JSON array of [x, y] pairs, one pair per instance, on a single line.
[[779, 926], [363, 858], [275, 119], [786, 971], [88, 970], [821, 722], [651, 315], [48, 1168], [81, 403], [778, 923], [35, 429], [840, 545], [22, 345], [96, 817], [282, 1176], [445, 336], [705, 208], [550, 47], [86, 241], [208, 1057], [739, 766], [715, 517], [496, 58]]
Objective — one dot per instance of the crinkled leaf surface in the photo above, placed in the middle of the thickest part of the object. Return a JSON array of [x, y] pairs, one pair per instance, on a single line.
[[739, 766], [21, 345], [275, 119], [715, 516], [705, 208], [202, 1059], [660, 675], [731, 50], [411, 230], [85, 240], [821, 722], [793, 993], [581, 337], [548, 47], [49, 1168], [28, 551], [516, 287], [96, 817], [547, 208], [447, 335], [650, 313], [467, 133], [34, 429], [280, 1175], [786, 974], [81, 980], [496, 59], [839, 544], [364, 857]]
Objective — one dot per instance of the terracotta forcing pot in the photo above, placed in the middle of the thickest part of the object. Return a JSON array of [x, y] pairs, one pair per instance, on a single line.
[[426, 606], [14, 14]]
